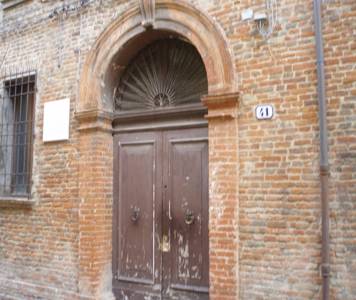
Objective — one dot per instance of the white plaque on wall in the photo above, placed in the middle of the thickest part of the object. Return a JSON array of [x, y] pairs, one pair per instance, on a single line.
[[56, 120], [264, 112]]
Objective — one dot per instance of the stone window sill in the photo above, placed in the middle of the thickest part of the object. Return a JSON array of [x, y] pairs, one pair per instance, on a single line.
[[16, 201]]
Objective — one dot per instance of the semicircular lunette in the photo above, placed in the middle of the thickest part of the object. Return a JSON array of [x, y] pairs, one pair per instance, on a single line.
[[167, 73]]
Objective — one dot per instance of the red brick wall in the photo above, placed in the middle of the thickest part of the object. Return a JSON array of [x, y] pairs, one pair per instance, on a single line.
[[269, 232], [223, 194], [95, 209], [340, 60], [279, 191]]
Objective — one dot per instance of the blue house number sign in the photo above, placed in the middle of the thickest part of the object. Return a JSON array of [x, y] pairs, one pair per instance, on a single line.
[[264, 112]]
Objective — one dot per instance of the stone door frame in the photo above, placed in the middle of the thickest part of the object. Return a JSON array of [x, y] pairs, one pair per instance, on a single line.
[[94, 115]]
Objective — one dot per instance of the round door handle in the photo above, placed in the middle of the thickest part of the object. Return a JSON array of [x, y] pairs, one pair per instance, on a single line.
[[189, 217]]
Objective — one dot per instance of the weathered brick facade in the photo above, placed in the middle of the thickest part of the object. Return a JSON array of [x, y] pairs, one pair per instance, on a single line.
[[265, 211]]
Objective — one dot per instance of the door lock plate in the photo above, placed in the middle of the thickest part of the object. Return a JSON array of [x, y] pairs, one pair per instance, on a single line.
[[165, 246]]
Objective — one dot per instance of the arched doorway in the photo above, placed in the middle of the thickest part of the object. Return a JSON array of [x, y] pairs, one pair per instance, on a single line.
[[103, 66], [160, 221]]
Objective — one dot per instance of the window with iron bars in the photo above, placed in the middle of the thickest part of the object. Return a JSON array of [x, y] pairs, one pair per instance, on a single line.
[[17, 103]]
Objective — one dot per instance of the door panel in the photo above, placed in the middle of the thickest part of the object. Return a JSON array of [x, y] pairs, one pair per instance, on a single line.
[[136, 222], [160, 246], [186, 265], [138, 207]]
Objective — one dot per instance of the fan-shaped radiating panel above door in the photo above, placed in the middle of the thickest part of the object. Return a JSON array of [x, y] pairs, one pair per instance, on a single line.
[[167, 73]]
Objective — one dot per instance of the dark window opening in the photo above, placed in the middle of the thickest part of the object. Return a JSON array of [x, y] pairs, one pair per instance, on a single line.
[[17, 98]]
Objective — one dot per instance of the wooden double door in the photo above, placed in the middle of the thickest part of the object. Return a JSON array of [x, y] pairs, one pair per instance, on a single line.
[[160, 233]]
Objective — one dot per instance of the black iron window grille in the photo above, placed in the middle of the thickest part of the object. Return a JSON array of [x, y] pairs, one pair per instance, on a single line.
[[17, 102]]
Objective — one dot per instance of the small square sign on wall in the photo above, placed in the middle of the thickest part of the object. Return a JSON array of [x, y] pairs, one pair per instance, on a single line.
[[56, 120]]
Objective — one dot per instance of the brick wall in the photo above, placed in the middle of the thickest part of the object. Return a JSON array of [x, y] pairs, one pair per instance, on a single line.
[[278, 238], [39, 245], [340, 62]]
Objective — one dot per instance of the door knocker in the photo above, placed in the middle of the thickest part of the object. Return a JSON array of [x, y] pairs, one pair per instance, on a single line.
[[189, 217]]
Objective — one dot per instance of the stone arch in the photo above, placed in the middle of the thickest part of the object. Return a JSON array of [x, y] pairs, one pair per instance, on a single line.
[[108, 57], [176, 17]]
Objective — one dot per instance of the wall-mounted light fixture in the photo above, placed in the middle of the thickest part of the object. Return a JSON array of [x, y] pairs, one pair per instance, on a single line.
[[265, 20], [261, 21]]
